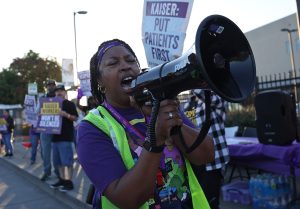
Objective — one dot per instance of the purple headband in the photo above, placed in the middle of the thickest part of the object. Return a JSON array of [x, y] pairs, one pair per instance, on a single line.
[[104, 48]]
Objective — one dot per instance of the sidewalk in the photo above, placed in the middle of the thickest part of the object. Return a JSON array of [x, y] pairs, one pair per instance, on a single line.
[[16, 192], [21, 160]]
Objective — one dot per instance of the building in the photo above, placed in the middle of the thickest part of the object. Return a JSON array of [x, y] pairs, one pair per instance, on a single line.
[[271, 47]]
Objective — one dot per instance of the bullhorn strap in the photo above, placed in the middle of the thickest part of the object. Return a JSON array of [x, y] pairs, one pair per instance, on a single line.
[[205, 127]]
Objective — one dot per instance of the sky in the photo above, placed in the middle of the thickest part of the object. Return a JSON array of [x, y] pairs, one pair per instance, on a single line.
[[47, 26]]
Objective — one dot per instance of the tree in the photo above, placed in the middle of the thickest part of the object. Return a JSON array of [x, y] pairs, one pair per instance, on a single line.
[[32, 68], [11, 88]]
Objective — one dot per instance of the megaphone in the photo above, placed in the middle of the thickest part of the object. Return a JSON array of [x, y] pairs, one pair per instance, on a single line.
[[221, 60]]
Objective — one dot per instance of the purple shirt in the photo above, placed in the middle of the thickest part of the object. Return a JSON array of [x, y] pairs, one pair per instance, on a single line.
[[99, 158], [97, 154]]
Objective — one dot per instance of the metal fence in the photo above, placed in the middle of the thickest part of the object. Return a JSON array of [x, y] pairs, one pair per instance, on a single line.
[[281, 81]]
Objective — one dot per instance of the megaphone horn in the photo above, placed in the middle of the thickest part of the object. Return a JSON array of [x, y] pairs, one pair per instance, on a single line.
[[221, 59]]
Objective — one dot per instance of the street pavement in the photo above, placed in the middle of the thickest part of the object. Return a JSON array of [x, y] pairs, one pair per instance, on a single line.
[[20, 183], [20, 163], [17, 192]]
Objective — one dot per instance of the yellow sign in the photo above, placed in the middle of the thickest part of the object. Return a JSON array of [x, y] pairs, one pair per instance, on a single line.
[[50, 108], [192, 116], [3, 121]]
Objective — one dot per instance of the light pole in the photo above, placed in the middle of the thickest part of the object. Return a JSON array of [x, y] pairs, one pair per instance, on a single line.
[[81, 13], [289, 31]]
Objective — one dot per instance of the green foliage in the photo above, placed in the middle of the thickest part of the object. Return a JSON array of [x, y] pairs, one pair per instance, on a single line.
[[31, 68], [244, 117], [11, 87]]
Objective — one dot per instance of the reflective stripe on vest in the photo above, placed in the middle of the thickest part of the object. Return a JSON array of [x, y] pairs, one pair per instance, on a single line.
[[198, 197], [108, 124]]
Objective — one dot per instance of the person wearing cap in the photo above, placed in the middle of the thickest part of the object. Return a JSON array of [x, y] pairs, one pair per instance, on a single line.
[[62, 150], [50, 85], [46, 138]]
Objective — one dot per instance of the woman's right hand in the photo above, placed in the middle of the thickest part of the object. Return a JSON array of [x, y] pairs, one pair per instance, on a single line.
[[168, 117]]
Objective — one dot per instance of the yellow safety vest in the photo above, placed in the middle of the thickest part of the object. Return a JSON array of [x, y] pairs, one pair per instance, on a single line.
[[102, 119]]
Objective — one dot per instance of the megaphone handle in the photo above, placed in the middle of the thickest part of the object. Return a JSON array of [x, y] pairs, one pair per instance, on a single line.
[[151, 128]]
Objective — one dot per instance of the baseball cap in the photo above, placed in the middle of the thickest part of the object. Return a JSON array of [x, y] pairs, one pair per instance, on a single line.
[[50, 81], [60, 87]]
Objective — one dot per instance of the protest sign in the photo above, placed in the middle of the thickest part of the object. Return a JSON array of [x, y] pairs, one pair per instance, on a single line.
[[85, 84], [32, 89], [49, 119], [3, 125], [164, 29], [31, 114], [67, 72]]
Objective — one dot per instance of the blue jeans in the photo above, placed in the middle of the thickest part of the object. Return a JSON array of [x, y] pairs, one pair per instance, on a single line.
[[46, 152], [34, 138], [6, 140], [62, 154]]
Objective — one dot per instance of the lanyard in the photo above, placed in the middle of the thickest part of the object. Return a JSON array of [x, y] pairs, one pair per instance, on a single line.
[[123, 121]]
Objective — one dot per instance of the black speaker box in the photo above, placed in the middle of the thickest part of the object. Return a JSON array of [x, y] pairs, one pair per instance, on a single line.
[[276, 119]]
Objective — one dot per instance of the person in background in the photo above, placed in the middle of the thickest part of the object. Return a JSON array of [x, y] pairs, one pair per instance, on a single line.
[[7, 134], [91, 102], [190, 108], [34, 139], [191, 104], [127, 168], [210, 176], [46, 138], [62, 150], [1, 143]]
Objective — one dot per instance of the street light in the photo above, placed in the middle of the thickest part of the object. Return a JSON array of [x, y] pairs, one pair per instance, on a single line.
[[81, 13], [289, 31]]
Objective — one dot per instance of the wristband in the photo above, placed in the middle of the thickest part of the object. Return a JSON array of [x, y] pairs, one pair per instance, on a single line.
[[155, 149]]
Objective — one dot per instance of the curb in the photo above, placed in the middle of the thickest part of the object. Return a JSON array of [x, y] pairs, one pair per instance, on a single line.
[[63, 197]]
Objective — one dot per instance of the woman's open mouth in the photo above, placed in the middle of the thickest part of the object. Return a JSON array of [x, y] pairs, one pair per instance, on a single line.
[[126, 83]]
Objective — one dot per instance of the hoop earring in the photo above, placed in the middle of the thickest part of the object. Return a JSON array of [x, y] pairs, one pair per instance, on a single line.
[[101, 89]]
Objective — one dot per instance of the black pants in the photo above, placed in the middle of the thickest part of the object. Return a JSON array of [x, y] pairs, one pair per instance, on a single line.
[[210, 182]]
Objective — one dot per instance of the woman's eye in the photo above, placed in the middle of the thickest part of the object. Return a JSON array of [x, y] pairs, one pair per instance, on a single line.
[[110, 63], [131, 60]]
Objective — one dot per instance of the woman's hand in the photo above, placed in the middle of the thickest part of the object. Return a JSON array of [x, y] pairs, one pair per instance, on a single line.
[[168, 117]]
